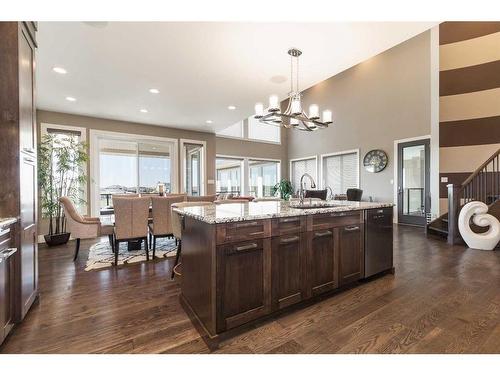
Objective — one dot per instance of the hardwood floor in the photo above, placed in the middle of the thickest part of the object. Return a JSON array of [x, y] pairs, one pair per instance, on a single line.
[[442, 299]]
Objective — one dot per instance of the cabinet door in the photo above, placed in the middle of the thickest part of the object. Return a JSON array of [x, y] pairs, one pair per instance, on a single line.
[[288, 270], [27, 131], [244, 282], [322, 272], [29, 246], [351, 250]]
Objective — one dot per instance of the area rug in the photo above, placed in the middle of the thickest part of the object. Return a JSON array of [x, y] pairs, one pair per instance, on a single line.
[[101, 256]]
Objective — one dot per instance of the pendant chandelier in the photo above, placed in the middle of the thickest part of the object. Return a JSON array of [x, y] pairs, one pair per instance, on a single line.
[[294, 116]]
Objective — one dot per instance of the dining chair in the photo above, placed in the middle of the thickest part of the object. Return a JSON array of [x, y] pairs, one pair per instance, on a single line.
[[131, 221], [82, 227], [321, 194], [178, 225], [354, 194], [162, 218], [201, 198]]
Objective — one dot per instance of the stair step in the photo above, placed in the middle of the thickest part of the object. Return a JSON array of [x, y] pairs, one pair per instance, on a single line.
[[438, 231]]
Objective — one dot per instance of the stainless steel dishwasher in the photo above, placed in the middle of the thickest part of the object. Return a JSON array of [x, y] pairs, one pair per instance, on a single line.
[[378, 241]]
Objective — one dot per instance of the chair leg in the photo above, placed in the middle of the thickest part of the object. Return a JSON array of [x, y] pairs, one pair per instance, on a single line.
[[77, 249], [150, 239], [154, 246], [176, 242], [146, 246], [177, 255], [111, 242], [117, 248]]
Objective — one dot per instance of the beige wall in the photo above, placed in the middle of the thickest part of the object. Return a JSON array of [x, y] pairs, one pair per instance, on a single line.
[[383, 99], [132, 128]]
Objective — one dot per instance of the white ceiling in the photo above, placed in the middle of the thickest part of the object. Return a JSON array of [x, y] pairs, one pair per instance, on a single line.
[[199, 68]]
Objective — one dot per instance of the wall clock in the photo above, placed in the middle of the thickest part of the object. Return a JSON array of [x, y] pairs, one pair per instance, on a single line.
[[375, 161]]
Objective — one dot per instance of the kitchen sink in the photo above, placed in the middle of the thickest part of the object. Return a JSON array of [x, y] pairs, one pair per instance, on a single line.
[[315, 204]]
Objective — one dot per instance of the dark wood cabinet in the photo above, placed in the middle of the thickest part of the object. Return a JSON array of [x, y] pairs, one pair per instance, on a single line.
[[7, 285], [351, 253], [18, 145], [323, 270], [244, 282], [289, 270]]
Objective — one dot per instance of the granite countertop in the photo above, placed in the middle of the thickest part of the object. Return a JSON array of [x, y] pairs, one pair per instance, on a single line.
[[6, 221], [231, 212]]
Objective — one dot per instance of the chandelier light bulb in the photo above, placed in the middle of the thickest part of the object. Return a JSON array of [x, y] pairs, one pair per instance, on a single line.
[[294, 122], [259, 110], [314, 112], [274, 104], [296, 107], [327, 116]]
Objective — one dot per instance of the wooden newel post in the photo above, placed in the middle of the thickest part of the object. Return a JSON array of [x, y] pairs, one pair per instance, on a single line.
[[453, 211]]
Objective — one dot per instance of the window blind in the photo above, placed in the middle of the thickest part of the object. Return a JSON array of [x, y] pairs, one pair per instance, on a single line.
[[298, 168], [340, 172]]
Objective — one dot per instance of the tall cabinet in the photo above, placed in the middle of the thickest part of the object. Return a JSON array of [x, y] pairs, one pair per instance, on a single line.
[[18, 149]]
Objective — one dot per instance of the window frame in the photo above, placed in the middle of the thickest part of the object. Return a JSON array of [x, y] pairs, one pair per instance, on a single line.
[[241, 159], [344, 152], [291, 161], [203, 172], [245, 132], [246, 162]]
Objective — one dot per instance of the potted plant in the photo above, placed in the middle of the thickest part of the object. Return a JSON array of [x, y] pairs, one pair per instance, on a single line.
[[61, 162], [285, 189]]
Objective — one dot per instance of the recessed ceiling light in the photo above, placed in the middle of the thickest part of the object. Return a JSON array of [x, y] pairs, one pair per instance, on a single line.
[[59, 70], [154, 91], [231, 107], [70, 99], [209, 121], [144, 110]]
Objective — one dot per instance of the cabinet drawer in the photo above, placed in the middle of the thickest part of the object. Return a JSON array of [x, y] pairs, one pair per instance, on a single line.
[[243, 231], [334, 219], [288, 225]]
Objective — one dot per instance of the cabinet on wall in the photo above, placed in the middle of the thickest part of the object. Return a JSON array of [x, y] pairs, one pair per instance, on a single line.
[[18, 149]]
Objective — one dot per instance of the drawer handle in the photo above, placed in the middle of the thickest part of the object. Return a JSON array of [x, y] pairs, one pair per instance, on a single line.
[[289, 220], [335, 214], [7, 253], [29, 150], [246, 247], [245, 225], [323, 234], [28, 160], [5, 231], [289, 240], [351, 229]]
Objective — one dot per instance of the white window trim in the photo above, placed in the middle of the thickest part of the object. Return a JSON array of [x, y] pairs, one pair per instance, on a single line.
[[245, 172], [94, 160], [203, 169], [83, 138], [323, 156], [315, 157]]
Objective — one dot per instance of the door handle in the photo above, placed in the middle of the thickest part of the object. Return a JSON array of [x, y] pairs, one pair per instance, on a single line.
[[323, 234], [289, 240], [246, 247]]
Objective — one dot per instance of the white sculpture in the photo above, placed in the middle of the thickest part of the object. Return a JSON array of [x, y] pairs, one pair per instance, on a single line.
[[478, 212]]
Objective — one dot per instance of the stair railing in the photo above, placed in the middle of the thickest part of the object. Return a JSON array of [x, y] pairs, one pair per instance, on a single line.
[[482, 185]]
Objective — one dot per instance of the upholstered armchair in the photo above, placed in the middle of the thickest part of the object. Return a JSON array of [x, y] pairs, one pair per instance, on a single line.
[[82, 227]]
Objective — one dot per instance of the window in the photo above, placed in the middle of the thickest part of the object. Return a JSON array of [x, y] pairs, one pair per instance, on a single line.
[[264, 174], [193, 167], [128, 163], [235, 130], [300, 166], [229, 173], [340, 171], [263, 132], [62, 134]]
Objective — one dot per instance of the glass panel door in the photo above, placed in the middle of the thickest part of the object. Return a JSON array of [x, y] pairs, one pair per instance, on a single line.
[[263, 176], [154, 167], [193, 160], [413, 182], [229, 172]]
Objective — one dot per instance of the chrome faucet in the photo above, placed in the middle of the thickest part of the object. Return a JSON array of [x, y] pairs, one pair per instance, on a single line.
[[331, 195], [301, 191]]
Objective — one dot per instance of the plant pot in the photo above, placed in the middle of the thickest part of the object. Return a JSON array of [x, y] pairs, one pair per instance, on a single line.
[[56, 239]]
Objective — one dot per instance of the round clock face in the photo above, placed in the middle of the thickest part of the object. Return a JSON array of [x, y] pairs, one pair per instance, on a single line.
[[375, 161]]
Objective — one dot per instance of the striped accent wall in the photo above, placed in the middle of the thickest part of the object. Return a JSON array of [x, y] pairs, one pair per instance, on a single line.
[[469, 99]]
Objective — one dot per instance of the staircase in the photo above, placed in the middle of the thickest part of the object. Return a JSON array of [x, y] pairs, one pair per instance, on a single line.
[[482, 185]]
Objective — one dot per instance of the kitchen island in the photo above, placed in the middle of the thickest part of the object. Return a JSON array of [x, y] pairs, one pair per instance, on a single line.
[[242, 262]]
